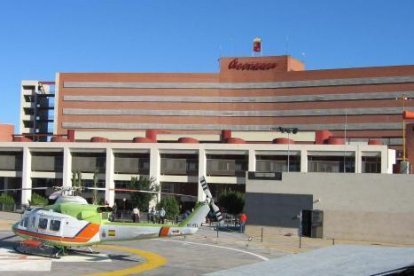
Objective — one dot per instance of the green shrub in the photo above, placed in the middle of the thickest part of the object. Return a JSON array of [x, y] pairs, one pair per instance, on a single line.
[[6, 199], [232, 202], [7, 202], [38, 200]]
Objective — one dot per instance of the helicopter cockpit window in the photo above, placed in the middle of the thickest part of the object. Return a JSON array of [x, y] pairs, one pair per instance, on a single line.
[[42, 223], [54, 225], [26, 222]]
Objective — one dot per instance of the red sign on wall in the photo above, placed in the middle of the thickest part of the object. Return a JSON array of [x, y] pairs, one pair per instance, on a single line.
[[253, 66]]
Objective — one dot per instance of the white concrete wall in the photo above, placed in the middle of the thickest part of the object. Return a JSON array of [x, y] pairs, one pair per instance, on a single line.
[[374, 207]]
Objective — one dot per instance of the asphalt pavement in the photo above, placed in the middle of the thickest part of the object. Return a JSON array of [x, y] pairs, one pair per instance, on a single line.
[[213, 253]]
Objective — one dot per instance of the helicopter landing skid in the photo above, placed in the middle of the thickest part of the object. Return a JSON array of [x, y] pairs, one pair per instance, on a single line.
[[37, 248]]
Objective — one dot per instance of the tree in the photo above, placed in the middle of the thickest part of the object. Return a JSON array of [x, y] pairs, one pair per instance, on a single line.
[[232, 202], [95, 197], [141, 200], [171, 207], [77, 182]]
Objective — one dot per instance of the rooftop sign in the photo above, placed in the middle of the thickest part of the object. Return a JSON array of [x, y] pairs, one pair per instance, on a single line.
[[251, 66]]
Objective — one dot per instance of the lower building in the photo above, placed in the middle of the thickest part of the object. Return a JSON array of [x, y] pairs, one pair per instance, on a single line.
[[177, 166]]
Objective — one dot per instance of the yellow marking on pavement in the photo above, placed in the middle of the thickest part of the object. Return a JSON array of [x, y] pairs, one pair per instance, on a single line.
[[152, 261]]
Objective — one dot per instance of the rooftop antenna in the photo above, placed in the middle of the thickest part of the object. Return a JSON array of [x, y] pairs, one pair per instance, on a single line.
[[287, 45], [232, 48], [345, 129], [303, 54]]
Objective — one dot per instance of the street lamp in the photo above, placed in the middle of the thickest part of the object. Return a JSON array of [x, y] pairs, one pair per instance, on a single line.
[[124, 200], [403, 98], [288, 130]]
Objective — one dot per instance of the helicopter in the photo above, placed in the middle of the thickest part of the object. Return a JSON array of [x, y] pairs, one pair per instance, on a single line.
[[71, 223]]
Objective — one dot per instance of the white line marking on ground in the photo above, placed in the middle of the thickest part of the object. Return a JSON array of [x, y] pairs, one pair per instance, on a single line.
[[25, 265], [221, 247], [10, 261]]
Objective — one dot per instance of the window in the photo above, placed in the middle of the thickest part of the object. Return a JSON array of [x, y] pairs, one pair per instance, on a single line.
[[371, 164], [88, 162], [33, 222], [42, 223], [335, 164], [54, 225], [47, 161], [179, 164], [226, 165], [278, 163], [26, 222]]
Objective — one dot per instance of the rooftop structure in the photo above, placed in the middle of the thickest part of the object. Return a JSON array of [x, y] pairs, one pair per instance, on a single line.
[[36, 109]]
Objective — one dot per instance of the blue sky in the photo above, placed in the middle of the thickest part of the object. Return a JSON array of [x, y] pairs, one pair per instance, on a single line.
[[42, 37]]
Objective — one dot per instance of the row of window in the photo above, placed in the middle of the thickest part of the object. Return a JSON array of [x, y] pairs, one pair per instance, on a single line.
[[219, 165], [43, 223]]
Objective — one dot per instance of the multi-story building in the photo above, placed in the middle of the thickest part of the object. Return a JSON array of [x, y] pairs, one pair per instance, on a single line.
[[247, 94]]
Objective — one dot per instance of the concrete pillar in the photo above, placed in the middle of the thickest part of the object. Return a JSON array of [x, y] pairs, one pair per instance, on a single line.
[[155, 163], [304, 161], [109, 177], [6, 183], [387, 160], [202, 169], [252, 161], [26, 176], [67, 168], [358, 160]]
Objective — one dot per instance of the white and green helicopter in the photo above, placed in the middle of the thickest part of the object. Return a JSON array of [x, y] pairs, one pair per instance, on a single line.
[[71, 222]]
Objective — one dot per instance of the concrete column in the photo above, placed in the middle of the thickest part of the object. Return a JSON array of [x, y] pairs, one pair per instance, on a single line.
[[304, 161], [202, 169], [358, 160], [155, 163], [109, 177], [390, 159], [252, 160], [67, 168], [6, 183], [26, 176]]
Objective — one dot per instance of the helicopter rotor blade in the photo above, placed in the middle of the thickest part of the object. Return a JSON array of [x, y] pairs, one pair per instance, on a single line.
[[22, 189], [213, 206], [139, 191], [204, 185], [122, 190], [217, 212]]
